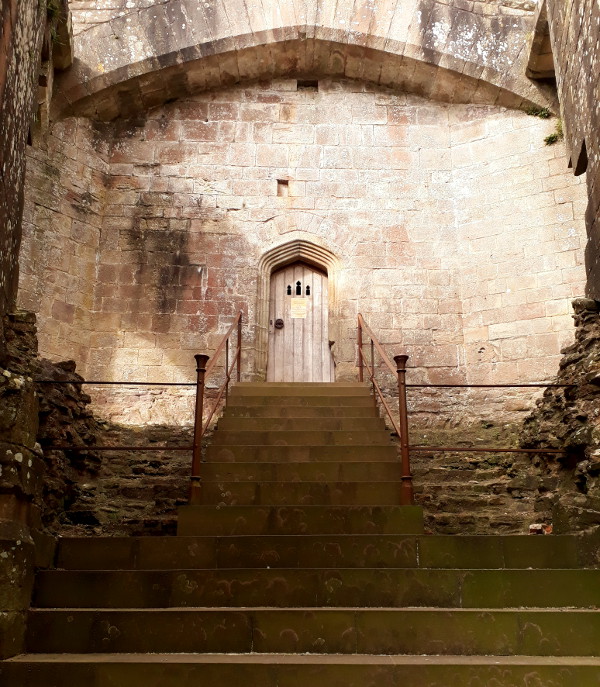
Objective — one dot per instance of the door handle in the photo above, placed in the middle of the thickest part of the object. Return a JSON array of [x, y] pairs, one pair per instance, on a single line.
[[278, 323]]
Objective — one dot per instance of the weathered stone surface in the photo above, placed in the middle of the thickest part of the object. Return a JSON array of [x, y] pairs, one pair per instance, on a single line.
[[20, 44], [132, 58], [568, 418], [575, 34], [453, 229]]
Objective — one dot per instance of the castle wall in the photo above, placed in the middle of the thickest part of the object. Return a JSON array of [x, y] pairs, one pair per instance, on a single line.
[[575, 35], [457, 233], [61, 234], [21, 29]]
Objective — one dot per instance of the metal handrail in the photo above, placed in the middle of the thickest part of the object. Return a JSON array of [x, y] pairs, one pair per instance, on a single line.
[[401, 427], [202, 370]]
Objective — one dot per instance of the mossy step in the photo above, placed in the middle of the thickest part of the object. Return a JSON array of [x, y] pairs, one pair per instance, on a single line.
[[313, 400], [300, 453], [268, 424], [332, 550], [298, 493], [302, 437], [342, 471], [202, 520], [295, 389], [292, 670], [341, 630], [292, 587], [300, 411]]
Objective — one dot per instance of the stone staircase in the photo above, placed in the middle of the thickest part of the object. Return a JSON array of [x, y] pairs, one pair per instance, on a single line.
[[294, 563]]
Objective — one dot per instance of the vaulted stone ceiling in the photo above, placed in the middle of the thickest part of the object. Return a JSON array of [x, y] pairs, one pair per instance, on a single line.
[[443, 51]]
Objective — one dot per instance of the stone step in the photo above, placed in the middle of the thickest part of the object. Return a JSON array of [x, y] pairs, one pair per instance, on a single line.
[[203, 520], [300, 389], [274, 424], [292, 670], [314, 551], [302, 438], [296, 588], [299, 411], [313, 400], [339, 471], [306, 453], [341, 630], [297, 493]]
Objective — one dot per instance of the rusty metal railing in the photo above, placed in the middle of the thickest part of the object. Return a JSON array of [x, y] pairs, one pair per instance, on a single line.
[[401, 425], [200, 425], [203, 370]]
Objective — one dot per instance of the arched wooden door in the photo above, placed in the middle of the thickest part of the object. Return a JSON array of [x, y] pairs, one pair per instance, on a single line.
[[299, 348]]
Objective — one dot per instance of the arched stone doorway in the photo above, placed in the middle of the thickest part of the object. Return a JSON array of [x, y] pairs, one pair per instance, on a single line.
[[310, 258]]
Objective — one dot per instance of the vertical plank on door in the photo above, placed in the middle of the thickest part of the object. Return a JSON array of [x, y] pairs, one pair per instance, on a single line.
[[296, 354], [300, 351]]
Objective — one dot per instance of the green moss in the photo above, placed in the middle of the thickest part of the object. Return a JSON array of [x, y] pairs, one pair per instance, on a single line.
[[541, 112], [558, 134]]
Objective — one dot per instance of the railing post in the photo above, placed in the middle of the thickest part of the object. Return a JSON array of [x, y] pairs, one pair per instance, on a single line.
[[201, 361], [406, 489], [239, 348], [360, 360], [227, 377]]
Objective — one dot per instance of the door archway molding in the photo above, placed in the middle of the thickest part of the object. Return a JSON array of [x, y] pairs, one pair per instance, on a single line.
[[296, 250]]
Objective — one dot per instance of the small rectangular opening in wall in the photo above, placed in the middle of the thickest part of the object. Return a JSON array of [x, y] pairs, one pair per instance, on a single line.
[[307, 85], [283, 187]]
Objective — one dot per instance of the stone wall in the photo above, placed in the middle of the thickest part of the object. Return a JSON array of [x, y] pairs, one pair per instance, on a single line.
[[36, 485], [567, 487], [457, 234], [21, 29], [139, 56], [575, 36], [61, 232]]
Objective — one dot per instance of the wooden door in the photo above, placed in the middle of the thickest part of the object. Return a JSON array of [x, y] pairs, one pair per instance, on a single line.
[[299, 348]]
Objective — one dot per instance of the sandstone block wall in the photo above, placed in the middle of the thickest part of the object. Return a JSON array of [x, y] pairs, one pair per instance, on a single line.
[[575, 35], [61, 233], [456, 232]]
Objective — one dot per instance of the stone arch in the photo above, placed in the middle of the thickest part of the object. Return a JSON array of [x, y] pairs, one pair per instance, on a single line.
[[164, 52], [299, 249]]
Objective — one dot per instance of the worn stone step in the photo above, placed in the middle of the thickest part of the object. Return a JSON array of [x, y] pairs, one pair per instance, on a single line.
[[202, 520], [301, 453], [357, 471], [265, 424], [310, 551], [302, 438], [292, 670], [301, 411], [296, 588], [300, 389], [297, 493], [340, 630], [313, 400]]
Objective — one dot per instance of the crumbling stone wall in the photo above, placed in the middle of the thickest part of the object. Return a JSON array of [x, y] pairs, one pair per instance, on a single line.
[[567, 488], [21, 29]]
